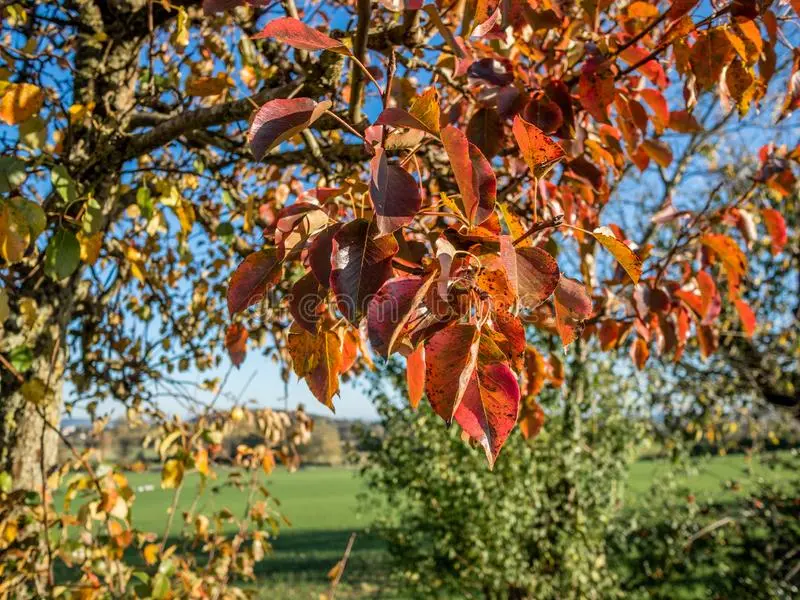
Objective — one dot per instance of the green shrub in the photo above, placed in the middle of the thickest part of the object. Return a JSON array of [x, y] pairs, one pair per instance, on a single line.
[[535, 527]]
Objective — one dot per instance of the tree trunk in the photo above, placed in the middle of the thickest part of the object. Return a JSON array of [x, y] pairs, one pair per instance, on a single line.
[[28, 447]]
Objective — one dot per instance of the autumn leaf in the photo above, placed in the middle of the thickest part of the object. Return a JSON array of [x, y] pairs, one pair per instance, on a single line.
[[485, 130], [573, 306], [531, 418], [539, 151], [422, 115], [776, 227], [252, 279], [279, 120], [626, 257], [535, 371], [596, 89], [415, 375], [659, 151], [172, 474], [317, 358], [320, 252], [488, 410], [150, 553], [608, 334], [640, 353], [537, 276], [20, 102], [299, 35], [746, 316], [473, 173], [450, 358], [361, 263], [734, 262], [710, 303], [208, 86], [304, 304], [236, 343], [394, 194], [392, 307]]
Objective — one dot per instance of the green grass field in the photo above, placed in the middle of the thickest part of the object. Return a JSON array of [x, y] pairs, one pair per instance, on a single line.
[[323, 507]]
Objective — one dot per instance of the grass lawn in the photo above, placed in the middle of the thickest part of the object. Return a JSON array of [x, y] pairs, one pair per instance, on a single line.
[[323, 506]]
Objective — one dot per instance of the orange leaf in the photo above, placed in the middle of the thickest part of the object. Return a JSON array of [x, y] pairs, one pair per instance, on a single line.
[[531, 419], [747, 316], [539, 151], [415, 375], [572, 305], [299, 35], [236, 343], [626, 257], [776, 226], [640, 353], [20, 102]]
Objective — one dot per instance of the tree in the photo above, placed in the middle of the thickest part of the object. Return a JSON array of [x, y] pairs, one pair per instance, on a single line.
[[433, 212]]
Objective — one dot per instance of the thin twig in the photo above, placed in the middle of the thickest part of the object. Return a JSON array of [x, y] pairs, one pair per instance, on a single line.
[[342, 564]]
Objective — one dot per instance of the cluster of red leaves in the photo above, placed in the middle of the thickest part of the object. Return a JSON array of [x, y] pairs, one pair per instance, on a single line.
[[451, 301]]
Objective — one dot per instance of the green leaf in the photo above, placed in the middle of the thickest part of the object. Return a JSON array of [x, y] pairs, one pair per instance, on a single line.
[[5, 482], [34, 216], [225, 232], [33, 133], [21, 358], [63, 255], [64, 184], [12, 173], [91, 216], [145, 201]]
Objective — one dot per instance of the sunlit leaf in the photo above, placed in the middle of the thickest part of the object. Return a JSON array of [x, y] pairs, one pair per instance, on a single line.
[[279, 120]]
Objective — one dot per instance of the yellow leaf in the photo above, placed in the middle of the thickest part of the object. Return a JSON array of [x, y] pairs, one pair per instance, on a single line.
[[185, 213], [20, 102], [29, 311], [171, 474], [14, 232], [180, 37], [208, 86], [201, 461], [268, 462], [151, 554], [625, 256], [425, 108], [10, 532], [90, 246], [78, 112]]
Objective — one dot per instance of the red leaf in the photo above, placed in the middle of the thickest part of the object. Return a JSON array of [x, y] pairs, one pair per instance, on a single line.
[[608, 334], [489, 408], [711, 304], [450, 357], [473, 173], [252, 278], [236, 343], [640, 353], [596, 89], [360, 265], [318, 359], [306, 298], [485, 130], [651, 69], [537, 276], [394, 193], [279, 120], [733, 259], [320, 252], [680, 8], [535, 371], [299, 35], [392, 307], [776, 227], [415, 375], [538, 150], [531, 419], [397, 117], [573, 305], [708, 340], [747, 316]]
